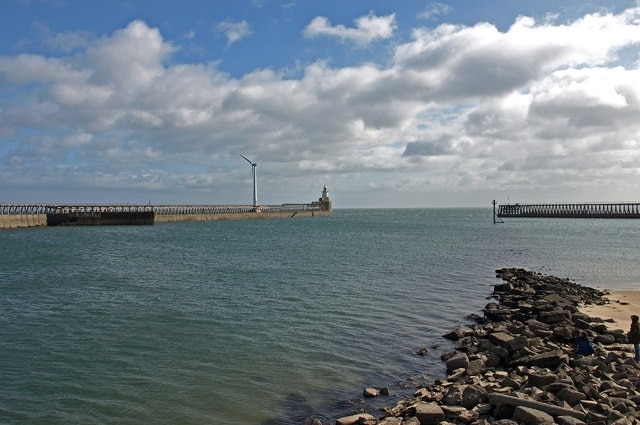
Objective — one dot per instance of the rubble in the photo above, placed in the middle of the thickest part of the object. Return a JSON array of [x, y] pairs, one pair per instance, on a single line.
[[518, 364]]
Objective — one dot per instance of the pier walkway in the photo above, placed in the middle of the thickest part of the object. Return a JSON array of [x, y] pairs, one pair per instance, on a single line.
[[10, 209], [577, 210], [33, 215]]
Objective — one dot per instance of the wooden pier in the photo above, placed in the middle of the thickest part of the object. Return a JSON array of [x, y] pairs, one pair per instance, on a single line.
[[578, 210]]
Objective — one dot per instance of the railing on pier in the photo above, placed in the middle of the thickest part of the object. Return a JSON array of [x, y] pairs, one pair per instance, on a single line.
[[13, 209], [577, 210]]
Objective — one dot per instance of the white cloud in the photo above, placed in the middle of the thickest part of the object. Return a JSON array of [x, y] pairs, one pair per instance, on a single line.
[[434, 10], [459, 109], [367, 28], [234, 31]]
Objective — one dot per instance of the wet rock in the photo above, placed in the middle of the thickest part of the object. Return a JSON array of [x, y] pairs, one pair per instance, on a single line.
[[455, 334], [371, 392], [359, 418]]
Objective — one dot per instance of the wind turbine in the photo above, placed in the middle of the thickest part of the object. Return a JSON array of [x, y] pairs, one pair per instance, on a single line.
[[255, 184]]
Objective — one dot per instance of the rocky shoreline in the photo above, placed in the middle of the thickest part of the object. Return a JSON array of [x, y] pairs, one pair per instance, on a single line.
[[517, 364]]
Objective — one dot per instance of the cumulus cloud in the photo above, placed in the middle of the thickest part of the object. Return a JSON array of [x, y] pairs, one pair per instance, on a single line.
[[458, 108], [367, 28], [234, 31]]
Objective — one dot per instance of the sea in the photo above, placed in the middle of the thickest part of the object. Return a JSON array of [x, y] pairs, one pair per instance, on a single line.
[[264, 322]]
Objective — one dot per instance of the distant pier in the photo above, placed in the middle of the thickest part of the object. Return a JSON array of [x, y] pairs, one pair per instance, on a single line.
[[577, 210]]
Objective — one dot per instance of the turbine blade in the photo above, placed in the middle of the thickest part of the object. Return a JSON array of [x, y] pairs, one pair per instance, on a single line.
[[246, 159]]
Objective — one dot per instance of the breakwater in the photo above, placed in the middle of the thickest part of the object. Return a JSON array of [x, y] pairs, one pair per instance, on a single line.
[[520, 364], [17, 216], [571, 210]]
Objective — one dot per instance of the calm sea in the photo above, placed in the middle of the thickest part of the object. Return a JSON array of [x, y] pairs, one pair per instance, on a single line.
[[265, 321]]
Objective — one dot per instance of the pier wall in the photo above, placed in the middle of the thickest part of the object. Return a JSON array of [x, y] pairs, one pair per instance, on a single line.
[[19, 216], [15, 221], [159, 218]]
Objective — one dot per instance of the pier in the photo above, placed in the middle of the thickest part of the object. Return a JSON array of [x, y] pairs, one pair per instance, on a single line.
[[35, 215], [576, 210]]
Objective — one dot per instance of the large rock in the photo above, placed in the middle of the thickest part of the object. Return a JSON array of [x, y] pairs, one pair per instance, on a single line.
[[499, 338], [474, 395], [554, 316], [551, 359], [529, 416], [360, 418], [429, 413], [541, 380], [571, 396], [458, 361]]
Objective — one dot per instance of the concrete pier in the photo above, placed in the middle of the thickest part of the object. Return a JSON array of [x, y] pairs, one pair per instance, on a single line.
[[15, 221], [16, 216]]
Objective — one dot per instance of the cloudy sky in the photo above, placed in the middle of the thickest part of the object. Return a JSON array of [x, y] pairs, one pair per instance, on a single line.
[[388, 103]]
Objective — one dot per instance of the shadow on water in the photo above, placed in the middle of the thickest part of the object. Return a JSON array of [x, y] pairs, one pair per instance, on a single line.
[[298, 409]]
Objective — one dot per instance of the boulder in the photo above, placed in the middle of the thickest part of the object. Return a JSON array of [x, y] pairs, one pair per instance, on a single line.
[[460, 360], [429, 413], [551, 359], [371, 392], [529, 416], [360, 418], [473, 395], [499, 338], [571, 396]]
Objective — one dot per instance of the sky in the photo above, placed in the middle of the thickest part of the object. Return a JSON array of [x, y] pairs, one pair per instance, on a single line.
[[388, 103]]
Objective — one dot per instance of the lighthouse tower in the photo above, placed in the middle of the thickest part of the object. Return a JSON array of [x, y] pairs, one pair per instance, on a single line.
[[325, 194], [324, 200]]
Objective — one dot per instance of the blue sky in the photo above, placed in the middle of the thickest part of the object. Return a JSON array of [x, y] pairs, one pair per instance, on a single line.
[[390, 104]]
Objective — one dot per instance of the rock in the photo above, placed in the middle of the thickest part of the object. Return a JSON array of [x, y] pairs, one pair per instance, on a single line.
[[459, 413], [571, 396], [429, 413], [391, 421], [605, 339], [360, 418], [497, 399], [568, 420], [460, 360], [453, 396], [517, 343], [499, 338], [473, 395], [554, 316], [550, 359], [455, 334], [371, 392], [476, 367], [541, 380], [529, 416], [517, 364]]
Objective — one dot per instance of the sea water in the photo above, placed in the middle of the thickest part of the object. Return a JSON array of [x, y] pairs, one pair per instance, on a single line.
[[262, 321]]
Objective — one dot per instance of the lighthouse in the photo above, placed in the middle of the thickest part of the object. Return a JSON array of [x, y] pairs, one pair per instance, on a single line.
[[325, 194]]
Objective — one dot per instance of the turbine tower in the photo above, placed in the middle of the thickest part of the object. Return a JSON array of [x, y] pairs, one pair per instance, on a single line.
[[255, 183]]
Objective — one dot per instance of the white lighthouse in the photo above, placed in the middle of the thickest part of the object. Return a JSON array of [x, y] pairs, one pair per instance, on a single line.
[[325, 194]]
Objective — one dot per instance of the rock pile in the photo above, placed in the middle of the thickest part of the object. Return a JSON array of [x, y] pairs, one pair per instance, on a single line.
[[518, 365]]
